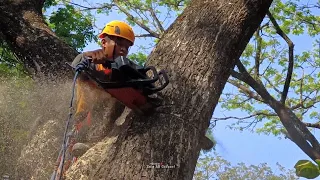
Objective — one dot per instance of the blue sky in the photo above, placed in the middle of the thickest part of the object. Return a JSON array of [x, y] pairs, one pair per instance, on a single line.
[[252, 148], [233, 145]]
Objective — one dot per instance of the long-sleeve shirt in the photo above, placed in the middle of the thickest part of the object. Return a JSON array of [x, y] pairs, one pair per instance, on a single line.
[[87, 93]]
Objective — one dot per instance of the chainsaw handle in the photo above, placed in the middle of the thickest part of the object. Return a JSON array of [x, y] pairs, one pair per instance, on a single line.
[[165, 77], [154, 72], [164, 83]]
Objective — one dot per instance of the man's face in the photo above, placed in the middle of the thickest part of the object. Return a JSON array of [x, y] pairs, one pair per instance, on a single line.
[[121, 47]]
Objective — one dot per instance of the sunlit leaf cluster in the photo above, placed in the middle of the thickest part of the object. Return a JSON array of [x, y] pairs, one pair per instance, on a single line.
[[266, 58], [70, 24]]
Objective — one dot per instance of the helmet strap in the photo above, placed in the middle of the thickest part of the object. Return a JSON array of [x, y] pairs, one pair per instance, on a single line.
[[114, 50]]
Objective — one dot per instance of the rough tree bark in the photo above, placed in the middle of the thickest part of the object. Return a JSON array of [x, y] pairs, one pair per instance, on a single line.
[[23, 26], [199, 51]]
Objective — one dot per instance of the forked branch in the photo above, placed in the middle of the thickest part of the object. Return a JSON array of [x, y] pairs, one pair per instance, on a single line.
[[290, 65]]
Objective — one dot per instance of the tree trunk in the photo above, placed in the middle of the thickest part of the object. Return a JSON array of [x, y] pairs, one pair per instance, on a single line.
[[42, 52], [199, 50]]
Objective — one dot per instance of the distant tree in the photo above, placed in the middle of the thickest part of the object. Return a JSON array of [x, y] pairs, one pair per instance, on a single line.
[[215, 167]]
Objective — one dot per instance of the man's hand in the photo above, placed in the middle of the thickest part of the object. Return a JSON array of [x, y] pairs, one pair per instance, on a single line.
[[101, 56], [83, 64], [97, 57]]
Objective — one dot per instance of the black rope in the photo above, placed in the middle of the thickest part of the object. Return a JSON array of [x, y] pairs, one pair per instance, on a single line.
[[65, 138]]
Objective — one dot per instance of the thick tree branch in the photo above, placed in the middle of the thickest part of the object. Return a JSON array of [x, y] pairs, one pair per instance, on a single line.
[[39, 5], [258, 53], [246, 117], [29, 37], [290, 66], [301, 85], [131, 17], [246, 90], [301, 103], [85, 8], [313, 125], [300, 134], [144, 35], [79, 5], [245, 77], [156, 19]]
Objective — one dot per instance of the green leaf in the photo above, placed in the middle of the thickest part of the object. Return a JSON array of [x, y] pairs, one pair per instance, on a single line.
[[306, 169], [140, 58], [73, 26]]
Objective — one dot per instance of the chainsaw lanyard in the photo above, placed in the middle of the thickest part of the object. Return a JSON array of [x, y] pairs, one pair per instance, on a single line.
[[65, 138]]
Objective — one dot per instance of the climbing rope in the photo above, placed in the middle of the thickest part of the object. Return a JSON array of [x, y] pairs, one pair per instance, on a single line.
[[57, 175]]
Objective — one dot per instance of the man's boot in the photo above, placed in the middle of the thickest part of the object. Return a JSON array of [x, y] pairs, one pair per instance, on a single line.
[[78, 149]]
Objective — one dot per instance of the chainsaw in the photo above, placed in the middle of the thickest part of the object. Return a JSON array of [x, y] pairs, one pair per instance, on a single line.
[[126, 81]]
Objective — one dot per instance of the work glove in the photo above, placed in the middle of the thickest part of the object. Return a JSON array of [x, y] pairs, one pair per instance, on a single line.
[[97, 56], [83, 64]]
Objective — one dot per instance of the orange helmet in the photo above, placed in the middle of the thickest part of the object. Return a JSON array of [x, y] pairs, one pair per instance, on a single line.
[[119, 29]]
